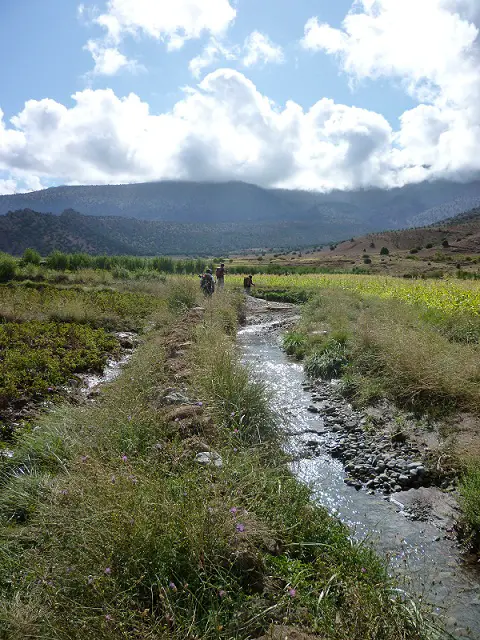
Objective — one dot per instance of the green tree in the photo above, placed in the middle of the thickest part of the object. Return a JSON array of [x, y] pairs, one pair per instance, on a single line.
[[30, 256], [384, 251]]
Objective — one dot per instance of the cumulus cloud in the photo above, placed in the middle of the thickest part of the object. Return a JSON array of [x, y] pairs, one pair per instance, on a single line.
[[174, 22], [432, 47], [109, 60], [212, 53], [222, 129], [260, 49], [257, 49]]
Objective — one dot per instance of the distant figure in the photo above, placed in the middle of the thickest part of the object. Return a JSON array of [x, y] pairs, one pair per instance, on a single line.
[[220, 275], [207, 283], [248, 284]]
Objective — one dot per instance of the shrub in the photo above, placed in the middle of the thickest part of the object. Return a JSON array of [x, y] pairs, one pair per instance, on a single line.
[[367, 261], [58, 261], [295, 344], [328, 363], [429, 246], [470, 503], [384, 251], [445, 244], [412, 251], [30, 256], [8, 267]]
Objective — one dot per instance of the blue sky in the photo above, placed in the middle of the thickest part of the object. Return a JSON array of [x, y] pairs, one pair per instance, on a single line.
[[398, 97]]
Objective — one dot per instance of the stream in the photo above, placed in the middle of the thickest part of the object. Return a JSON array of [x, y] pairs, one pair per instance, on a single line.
[[429, 565]]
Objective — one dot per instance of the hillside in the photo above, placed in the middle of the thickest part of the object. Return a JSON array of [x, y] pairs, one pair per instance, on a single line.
[[237, 202], [72, 231]]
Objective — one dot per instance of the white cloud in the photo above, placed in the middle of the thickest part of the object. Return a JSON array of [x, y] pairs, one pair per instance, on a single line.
[[109, 60], [8, 186], [259, 48], [213, 52], [223, 129], [432, 47], [173, 21]]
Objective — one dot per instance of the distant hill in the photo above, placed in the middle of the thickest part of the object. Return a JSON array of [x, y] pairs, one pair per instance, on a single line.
[[71, 231], [462, 233], [196, 203]]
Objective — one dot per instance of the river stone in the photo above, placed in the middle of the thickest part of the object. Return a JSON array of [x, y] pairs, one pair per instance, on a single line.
[[313, 409]]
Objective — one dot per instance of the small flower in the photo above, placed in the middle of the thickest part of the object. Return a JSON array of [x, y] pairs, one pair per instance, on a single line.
[[292, 593], [222, 593], [233, 510], [172, 586], [64, 492], [235, 449], [199, 404], [113, 479], [129, 418], [90, 580], [50, 389], [240, 527], [132, 521], [133, 479], [108, 617], [84, 458], [124, 458], [232, 415], [235, 431], [364, 570], [108, 571]]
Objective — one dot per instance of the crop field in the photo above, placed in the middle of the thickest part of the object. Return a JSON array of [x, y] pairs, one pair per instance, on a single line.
[[449, 296]]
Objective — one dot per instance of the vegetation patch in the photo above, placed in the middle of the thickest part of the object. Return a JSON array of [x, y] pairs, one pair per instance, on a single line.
[[115, 529]]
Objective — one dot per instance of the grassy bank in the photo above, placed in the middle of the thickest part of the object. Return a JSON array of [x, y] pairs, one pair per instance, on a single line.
[[113, 529], [422, 357]]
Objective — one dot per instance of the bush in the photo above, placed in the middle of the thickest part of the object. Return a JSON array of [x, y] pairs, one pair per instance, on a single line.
[[328, 363], [58, 261], [8, 267], [295, 343], [445, 244], [30, 256], [470, 503], [367, 260], [384, 251], [412, 251], [429, 246]]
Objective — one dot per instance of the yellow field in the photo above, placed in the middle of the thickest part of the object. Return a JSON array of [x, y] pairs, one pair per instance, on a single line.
[[447, 295]]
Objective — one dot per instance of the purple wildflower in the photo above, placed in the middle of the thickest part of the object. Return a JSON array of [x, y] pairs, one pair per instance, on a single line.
[[235, 431], [292, 593], [108, 617], [364, 570], [235, 449], [172, 586], [232, 415], [240, 527], [50, 389], [64, 492], [108, 571], [129, 418], [199, 404], [90, 580], [113, 480], [124, 458], [222, 593], [234, 510], [84, 458], [133, 479]]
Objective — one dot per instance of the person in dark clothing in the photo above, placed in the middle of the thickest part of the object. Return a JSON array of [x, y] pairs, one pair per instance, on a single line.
[[207, 283], [248, 284], [220, 275]]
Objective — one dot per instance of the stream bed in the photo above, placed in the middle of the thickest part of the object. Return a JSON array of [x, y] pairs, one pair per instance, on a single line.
[[430, 566]]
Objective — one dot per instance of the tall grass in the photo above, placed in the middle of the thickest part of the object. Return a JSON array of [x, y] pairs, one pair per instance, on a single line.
[[111, 529]]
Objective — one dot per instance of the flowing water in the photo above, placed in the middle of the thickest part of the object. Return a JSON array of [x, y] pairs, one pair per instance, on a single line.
[[430, 565]]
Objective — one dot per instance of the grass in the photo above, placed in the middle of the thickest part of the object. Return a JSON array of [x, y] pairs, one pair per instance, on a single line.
[[111, 529], [38, 357], [470, 502], [108, 308]]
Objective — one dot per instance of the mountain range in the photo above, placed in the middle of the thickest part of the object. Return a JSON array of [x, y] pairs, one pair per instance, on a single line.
[[193, 218]]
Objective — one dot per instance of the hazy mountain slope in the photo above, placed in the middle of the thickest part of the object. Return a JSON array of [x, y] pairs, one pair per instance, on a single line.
[[72, 231], [237, 202]]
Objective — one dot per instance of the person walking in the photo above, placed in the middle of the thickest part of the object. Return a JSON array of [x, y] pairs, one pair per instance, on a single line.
[[248, 284], [220, 275], [207, 283]]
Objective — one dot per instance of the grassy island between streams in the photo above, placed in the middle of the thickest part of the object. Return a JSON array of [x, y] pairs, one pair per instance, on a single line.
[[111, 528]]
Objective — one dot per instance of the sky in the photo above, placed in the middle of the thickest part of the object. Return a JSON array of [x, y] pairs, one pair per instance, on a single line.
[[309, 94]]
